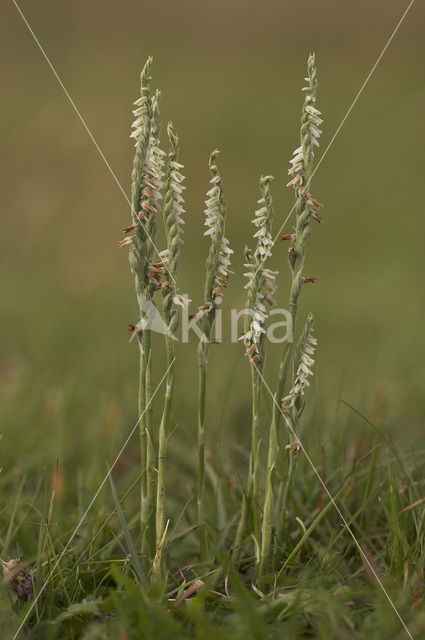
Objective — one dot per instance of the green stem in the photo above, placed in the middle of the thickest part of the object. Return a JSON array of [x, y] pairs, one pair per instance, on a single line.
[[251, 497], [267, 528], [162, 450], [283, 375], [143, 444], [148, 539], [203, 350], [287, 359], [255, 452], [292, 464]]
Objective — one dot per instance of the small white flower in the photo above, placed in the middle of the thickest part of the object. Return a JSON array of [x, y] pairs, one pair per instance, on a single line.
[[303, 372], [181, 301]]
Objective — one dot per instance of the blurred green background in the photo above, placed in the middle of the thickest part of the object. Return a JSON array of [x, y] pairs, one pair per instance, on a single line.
[[230, 74]]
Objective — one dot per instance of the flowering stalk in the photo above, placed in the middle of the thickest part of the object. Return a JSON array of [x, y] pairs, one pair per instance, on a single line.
[[136, 238], [305, 349], [152, 196], [173, 209], [146, 193], [260, 289], [217, 273], [306, 209], [293, 403], [152, 205]]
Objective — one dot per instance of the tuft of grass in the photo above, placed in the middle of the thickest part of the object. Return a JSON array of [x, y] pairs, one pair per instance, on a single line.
[[322, 588]]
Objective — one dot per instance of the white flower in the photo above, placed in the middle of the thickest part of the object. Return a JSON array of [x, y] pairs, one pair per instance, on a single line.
[[178, 201], [141, 113], [264, 239], [153, 173], [260, 280], [311, 118], [303, 372], [223, 261], [181, 301], [212, 221], [127, 241], [247, 338]]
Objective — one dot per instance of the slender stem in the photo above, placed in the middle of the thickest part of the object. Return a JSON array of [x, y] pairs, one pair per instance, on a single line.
[[255, 452], [273, 446], [283, 375], [216, 266], [203, 350], [287, 488], [148, 504], [143, 447], [292, 464], [162, 450], [266, 534], [172, 206], [287, 359], [252, 495]]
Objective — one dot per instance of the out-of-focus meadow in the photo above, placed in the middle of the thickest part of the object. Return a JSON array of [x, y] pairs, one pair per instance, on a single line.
[[230, 75]]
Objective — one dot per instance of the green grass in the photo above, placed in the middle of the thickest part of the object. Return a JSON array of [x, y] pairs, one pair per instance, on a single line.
[[324, 588]]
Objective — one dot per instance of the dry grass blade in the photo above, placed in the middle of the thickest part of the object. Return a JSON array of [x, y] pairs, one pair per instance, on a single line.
[[193, 588], [411, 506]]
